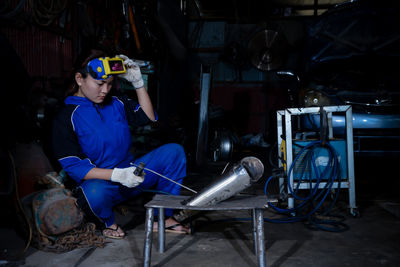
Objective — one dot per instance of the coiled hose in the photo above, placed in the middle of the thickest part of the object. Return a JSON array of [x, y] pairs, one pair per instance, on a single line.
[[309, 205]]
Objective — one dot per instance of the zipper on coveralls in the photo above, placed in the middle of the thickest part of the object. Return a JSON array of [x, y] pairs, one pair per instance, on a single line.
[[98, 111]]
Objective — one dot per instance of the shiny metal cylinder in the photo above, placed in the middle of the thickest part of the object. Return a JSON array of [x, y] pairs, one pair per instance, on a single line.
[[148, 237], [239, 177]]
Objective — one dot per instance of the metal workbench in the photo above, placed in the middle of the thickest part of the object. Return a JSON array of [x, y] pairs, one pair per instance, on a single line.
[[254, 203]]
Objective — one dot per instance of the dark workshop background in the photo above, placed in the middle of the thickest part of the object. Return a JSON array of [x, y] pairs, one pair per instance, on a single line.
[[244, 44]]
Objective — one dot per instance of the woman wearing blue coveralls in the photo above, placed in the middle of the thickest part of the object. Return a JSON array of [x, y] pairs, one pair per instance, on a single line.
[[92, 141]]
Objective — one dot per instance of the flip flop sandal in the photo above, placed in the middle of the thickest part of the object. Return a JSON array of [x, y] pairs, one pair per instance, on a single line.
[[170, 229], [104, 232]]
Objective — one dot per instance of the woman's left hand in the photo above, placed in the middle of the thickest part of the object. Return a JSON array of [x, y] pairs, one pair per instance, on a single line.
[[133, 73]]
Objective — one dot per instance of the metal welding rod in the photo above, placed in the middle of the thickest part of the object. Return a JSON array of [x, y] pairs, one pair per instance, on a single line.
[[169, 179]]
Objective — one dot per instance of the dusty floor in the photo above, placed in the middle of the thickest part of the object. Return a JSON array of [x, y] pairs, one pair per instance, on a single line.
[[225, 239]]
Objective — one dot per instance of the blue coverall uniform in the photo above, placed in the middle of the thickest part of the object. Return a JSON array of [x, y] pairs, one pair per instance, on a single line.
[[88, 135]]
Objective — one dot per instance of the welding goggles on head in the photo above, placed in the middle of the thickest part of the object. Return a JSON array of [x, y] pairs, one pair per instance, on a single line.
[[103, 67]]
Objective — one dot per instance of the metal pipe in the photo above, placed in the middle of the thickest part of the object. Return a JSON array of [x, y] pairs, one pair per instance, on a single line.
[[238, 178], [254, 221], [260, 238], [148, 236], [161, 230]]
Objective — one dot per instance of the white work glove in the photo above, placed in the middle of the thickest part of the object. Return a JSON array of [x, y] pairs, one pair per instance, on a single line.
[[132, 74], [126, 177]]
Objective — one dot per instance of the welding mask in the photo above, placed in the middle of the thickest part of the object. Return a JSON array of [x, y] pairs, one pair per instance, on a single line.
[[103, 67]]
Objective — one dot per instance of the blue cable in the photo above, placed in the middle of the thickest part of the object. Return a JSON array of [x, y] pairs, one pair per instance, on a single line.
[[306, 199], [331, 173]]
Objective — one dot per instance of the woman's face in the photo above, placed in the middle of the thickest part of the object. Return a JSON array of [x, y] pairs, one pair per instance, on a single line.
[[94, 90]]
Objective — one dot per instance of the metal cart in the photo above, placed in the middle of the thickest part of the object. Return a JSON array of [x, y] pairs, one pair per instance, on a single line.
[[285, 123]]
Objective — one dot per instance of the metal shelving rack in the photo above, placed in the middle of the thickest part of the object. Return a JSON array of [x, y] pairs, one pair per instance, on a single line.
[[285, 116]]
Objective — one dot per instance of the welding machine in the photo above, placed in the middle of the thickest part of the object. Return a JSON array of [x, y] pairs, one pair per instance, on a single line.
[[303, 169]]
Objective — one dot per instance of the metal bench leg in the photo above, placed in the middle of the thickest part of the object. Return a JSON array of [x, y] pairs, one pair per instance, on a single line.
[[260, 237], [161, 230], [253, 215], [148, 236]]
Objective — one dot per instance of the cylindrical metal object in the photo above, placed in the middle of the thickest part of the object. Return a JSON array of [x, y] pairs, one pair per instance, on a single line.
[[236, 179], [148, 237], [253, 214], [260, 237], [161, 230]]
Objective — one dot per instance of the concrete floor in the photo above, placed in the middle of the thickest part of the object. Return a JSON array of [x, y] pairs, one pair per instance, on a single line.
[[373, 239]]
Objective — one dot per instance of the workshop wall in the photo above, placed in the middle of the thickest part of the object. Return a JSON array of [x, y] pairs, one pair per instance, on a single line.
[[43, 53], [40, 35], [249, 93]]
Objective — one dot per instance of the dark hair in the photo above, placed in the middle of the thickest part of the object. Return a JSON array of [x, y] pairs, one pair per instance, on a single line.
[[80, 66]]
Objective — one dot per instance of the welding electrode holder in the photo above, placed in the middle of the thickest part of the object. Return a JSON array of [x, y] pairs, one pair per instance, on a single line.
[[139, 170]]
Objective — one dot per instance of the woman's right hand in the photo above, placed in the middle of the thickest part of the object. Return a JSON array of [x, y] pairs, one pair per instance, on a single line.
[[126, 177]]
